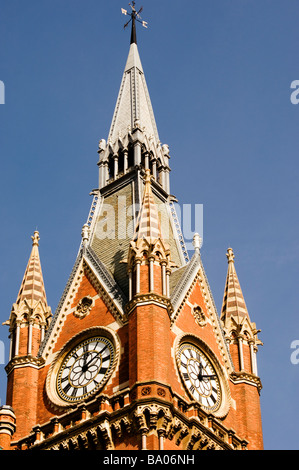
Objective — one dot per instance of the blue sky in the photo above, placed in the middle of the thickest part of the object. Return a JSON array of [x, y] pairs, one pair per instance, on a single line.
[[219, 75]]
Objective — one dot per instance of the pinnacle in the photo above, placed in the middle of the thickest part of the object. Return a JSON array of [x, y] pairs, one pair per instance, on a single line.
[[234, 305], [148, 224], [32, 288]]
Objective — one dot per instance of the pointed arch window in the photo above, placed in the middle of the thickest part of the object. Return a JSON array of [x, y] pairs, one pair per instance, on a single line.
[[120, 163], [110, 167], [130, 156]]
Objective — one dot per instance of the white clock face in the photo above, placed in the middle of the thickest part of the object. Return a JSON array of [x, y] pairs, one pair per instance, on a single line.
[[199, 376], [85, 369]]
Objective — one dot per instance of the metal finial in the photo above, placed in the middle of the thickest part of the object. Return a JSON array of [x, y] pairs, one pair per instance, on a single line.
[[230, 255], [35, 238], [135, 16]]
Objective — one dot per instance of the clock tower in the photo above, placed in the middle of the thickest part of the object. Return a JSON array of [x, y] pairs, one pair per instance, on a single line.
[[135, 357]]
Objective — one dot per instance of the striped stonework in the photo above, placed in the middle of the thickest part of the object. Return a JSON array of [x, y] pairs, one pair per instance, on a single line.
[[233, 301], [148, 224], [32, 288]]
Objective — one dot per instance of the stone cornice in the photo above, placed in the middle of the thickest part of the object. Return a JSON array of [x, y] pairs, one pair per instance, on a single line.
[[24, 361], [198, 429], [150, 298], [246, 377]]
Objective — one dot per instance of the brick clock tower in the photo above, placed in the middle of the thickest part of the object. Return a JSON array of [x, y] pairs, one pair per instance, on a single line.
[[135, 356]]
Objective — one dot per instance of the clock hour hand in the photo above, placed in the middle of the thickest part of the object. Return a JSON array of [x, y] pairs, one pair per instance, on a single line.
[[87, 364], [202, 376]]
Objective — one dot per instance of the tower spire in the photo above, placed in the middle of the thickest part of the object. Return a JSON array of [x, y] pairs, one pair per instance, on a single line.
[[148, 248], [148, 224], [32, 288], [234, 305], [240, 332]]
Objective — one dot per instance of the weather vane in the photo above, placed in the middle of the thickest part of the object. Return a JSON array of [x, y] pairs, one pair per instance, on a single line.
[[135, 16]]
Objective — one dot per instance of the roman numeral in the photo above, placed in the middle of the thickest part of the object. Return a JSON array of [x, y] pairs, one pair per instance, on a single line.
[[214, 398], [66, 388], [184, 359], [102, 350]]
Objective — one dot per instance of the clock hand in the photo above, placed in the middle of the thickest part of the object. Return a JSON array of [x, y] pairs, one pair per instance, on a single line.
[[85, 358], [87, 364], [200, 370], [202, 376], [94, 358]]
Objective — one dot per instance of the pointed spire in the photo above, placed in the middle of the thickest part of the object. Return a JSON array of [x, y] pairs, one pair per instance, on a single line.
[[32, 288], [241, 334], [133, 102], [148, 224], [148, 250], [234, 305], [31, 311]]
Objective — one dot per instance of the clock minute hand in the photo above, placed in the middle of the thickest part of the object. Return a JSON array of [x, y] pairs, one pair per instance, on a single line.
[[91, 360], [212, 376], [202, 376], [95, 357]]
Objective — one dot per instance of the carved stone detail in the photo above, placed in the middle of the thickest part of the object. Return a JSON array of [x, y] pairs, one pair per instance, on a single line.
[[199, 316], [83, 308], [161, 392], [145, 391], [107, 427]]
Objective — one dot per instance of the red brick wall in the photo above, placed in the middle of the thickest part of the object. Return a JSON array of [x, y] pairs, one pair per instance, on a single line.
[[247, 358], [149, 344], [247, 420], [234, 352], [23, 340], [22, 397]]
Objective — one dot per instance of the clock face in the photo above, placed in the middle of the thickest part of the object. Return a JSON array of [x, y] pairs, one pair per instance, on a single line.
[[199, 376], [85, 369]]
